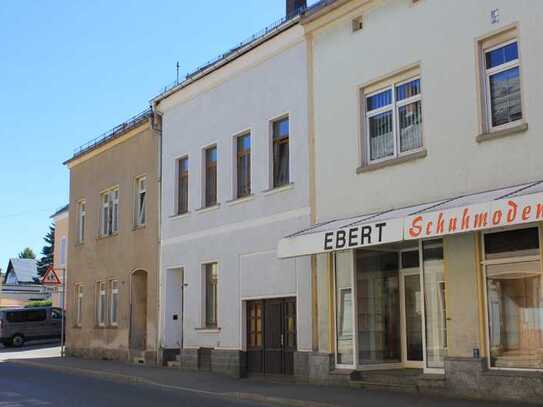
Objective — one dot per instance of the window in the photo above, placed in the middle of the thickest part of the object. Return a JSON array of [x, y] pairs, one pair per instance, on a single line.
[[513, 276], [101, 303], [502, 83], [394, 121], [82, 218], [141, 194], [110, 212], [182, 186], [56, 313], [243, 168], [27, 316], [211, 277], [79, 304], [280, 142], [62, 260], [210, 155], [114, 301]]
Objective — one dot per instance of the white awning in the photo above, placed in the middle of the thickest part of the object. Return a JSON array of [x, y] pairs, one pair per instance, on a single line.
[[484, 210]]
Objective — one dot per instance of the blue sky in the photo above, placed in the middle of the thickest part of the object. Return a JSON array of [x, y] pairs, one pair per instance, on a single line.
[[72, 69]]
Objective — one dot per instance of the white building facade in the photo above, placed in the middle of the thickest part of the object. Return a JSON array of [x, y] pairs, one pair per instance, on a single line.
[[235, 180], [428, 194]]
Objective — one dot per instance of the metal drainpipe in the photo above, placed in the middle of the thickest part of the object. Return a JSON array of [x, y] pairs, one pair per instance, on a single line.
[[155, 110]]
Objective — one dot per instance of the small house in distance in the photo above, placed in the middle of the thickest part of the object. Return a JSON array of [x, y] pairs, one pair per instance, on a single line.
[[21, 284]]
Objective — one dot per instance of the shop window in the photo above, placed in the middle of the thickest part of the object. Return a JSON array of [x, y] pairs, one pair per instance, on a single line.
[[344, 309], [434, 303], [393, 120], [514, 298]]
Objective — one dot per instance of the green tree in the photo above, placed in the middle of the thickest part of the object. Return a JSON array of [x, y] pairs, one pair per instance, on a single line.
[[27, 253], [46, 259]]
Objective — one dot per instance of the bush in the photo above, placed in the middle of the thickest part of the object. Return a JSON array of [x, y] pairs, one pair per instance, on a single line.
[[37, 304]]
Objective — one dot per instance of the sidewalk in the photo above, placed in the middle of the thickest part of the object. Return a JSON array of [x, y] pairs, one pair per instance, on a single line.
[[260, 390]]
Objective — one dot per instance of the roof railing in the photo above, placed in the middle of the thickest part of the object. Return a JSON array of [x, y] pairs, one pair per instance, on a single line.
[[111, 134], [253, 38]]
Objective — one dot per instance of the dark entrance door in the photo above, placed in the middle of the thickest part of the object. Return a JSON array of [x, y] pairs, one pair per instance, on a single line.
[[271, 336]]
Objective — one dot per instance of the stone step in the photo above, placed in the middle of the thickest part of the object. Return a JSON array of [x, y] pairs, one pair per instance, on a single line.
[[401, 377]]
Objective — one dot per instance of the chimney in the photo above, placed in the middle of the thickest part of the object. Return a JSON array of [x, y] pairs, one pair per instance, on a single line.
[[295, 6]]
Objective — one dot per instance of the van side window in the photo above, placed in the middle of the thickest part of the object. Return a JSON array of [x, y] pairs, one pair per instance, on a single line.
[[27, 316], [56, 314]]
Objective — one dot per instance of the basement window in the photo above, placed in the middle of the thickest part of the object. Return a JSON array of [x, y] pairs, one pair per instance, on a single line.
[[358, 24]]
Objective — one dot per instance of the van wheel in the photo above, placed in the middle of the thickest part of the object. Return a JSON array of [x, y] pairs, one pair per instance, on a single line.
[[17, 340]]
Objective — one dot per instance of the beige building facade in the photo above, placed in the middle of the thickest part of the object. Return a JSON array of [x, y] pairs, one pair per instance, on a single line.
[[428, 195], [54, 279], [112, 288]]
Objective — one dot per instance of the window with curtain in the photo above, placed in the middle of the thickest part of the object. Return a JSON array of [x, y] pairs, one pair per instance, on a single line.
[[243, 168], [502, 70], [394, 121], [210, 176], [280, 143], [182, 185], [211, 280]]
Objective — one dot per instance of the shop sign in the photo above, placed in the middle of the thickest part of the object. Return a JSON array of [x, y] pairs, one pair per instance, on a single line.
[[493, 214], [352, 237]]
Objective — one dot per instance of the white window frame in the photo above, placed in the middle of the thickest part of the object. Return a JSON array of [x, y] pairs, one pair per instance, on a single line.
[[493, 71], [249, 133], [114, 299], [79, 289], [394, 106], [101, 301], [82, 218], [109, 225], [140, 212], [177, 203]]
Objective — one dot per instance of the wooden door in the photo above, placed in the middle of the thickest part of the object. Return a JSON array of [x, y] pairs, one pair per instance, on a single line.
[[271, 336]]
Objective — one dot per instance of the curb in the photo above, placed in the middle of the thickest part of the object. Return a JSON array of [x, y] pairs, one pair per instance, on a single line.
[[122, 378]]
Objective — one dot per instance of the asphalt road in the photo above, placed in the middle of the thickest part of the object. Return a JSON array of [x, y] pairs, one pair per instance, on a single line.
[[22, 386]]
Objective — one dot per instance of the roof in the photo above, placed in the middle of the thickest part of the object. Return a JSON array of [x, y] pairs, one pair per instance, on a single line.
[[25, 270], [114, 133], [430, 219], [60, 211], [240, 49]]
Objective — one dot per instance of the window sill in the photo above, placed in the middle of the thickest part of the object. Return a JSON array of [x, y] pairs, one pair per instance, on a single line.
[[276, 190], [508, 131], [240, 200], [107, 236], [205, 330], [138, 227], [208, 208], [393, 161], [180, 216]]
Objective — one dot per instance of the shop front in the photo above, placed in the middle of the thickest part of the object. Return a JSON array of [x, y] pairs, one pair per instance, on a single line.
[[452, 288]]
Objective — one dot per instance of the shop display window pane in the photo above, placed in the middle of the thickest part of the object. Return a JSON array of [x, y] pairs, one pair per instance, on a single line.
[[514, 298], [434, 302], [344, 309]]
